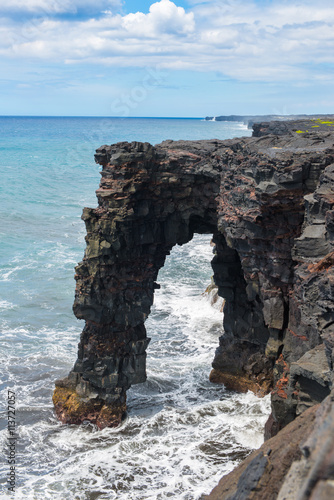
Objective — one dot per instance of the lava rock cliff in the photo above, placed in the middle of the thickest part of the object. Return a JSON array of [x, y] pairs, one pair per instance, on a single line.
[[268, 202]]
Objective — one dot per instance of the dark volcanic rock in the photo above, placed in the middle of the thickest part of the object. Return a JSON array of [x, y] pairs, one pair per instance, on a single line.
[[257, 121], [302, 127], [268, 201]]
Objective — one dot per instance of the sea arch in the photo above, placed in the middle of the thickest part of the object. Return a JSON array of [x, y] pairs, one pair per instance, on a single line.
[[150, 199]]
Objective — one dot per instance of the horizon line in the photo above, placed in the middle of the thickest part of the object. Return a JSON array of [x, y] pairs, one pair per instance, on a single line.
[[107, 116]]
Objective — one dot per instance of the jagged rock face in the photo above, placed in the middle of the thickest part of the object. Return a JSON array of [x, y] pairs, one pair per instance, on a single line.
[[272, 265]]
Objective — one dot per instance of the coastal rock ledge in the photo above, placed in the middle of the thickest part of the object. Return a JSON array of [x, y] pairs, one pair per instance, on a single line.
[[268, 201]]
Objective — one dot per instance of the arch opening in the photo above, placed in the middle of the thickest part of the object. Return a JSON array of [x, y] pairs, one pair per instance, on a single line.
[[184, 328]]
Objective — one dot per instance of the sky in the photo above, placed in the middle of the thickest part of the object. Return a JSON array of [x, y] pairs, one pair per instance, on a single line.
[[190, 58]]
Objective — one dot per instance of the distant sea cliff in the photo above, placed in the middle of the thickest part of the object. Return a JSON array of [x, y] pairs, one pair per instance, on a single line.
[[251, 119]]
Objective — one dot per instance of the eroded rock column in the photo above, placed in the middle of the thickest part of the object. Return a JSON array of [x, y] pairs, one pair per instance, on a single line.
[[149, 200]]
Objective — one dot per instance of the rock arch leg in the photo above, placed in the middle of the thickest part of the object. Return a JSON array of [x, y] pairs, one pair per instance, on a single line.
[[240, 361]]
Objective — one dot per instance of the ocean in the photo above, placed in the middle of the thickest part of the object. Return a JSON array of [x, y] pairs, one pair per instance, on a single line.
[[182, 433]]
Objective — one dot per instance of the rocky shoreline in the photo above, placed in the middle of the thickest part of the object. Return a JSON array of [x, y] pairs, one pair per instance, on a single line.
[[250, 120], [268, 201]]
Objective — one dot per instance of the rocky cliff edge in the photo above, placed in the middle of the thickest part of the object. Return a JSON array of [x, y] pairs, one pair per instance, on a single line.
[[268, 201]]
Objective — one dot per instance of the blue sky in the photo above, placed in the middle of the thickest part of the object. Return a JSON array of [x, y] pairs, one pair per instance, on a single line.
[[166, 58]]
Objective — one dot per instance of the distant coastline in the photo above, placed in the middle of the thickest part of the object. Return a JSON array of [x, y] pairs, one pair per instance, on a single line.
[[250, 119]]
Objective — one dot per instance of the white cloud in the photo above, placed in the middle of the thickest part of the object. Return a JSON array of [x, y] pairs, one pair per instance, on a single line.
[[163, 17], [282, 40]]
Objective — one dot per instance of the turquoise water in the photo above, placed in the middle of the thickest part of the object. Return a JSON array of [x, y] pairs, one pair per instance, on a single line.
[[182, 433]]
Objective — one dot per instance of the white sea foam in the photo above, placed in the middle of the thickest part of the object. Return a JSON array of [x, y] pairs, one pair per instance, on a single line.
[[7, 275], [175, 453], [242, 126], [5, 304]]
